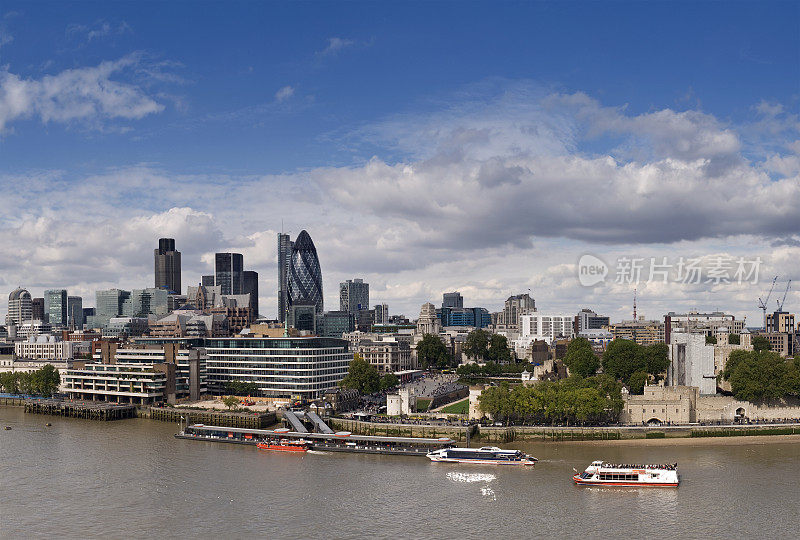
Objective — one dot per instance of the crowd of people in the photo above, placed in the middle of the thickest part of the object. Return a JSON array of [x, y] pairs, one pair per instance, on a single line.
[[663, 466]]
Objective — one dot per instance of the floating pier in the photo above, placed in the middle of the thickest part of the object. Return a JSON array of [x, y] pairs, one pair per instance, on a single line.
[[342, 441], [90, 410]]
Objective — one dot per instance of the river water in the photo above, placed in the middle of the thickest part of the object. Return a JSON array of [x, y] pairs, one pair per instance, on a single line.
[[132, 478]]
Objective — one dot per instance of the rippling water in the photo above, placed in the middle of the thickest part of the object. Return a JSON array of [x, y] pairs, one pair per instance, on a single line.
[[132, 478]]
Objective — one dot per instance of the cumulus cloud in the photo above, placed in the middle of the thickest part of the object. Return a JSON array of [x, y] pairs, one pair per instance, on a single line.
[[88, 94]]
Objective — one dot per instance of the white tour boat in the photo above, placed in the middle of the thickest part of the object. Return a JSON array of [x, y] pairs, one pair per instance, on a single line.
[[488, 455], [600, 473]]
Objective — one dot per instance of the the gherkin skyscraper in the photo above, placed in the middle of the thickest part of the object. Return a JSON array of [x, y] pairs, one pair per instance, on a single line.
[[305, 274]]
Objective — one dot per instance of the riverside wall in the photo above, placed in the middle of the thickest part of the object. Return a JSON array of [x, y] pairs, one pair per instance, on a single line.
[[493, 434]]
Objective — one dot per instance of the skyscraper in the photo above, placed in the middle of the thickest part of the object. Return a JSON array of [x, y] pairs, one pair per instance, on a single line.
[[228, 270], [381, 314], [167, 265], [305, 274], [19, 306], [284, 260], [250, 286], [75, 311], [55, 306], [37, 309], [452, 300], [109, 304], [353, 295]]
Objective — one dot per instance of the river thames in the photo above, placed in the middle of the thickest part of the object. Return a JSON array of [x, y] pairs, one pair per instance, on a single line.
[[132, 478]]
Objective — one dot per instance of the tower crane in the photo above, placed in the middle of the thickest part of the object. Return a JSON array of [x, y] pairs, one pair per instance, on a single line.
[[780, 304], [763, 303]]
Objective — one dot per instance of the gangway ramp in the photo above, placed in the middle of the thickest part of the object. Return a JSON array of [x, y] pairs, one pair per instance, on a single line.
[[322, 427], [297, 424]]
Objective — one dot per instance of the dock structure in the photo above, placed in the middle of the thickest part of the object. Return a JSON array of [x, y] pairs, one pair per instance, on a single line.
[[295, 421], [342, 441], [90, 410], [319, 425], [212, 418]]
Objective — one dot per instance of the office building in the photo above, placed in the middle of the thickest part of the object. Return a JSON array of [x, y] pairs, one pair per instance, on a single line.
[[428, 322], [452, 300], [207, 281], [780, 322], [37, 309], [641, 331], [353, 295], [284, 261], [55, 306], [282, 367], [516, 306], [478, 317], [305, 273], [708, 324], [44, 347], [250, 286], [586, 319], [302, 316], [108, 304], [88, 312], [335, 323], [75, 312], [381, 314], [19, 306], [228, 272], [144, 302], [167, 266], [387, 353]]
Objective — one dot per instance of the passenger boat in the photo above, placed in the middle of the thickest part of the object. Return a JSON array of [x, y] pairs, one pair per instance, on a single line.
[[285, 446], [600, 473], [488, 455]]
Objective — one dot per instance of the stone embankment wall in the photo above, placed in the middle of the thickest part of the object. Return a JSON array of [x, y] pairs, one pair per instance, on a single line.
[[727, 409]]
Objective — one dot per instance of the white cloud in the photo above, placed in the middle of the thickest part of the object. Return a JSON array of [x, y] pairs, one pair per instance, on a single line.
[[284, 93], [98, 30], [336, 45], [87, 94]]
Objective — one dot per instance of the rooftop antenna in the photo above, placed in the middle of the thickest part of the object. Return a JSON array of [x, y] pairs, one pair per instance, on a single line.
[[763, 303], [634, 304]]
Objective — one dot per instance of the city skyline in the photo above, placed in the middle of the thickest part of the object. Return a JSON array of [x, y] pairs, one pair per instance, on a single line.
[[490, 177]]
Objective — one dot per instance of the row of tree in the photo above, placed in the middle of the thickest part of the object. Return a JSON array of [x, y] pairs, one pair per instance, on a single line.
[[42, 382], [241, 388], [363, 376], [762, 375], [575, 399], [624, 360]]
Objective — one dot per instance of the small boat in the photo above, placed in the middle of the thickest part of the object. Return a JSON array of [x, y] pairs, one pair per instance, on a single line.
[[487, 455], [600, 473], [285, 446]]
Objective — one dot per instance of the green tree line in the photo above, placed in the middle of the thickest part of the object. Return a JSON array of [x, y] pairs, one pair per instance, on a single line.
[[762, 375], [572, 400], [364, 377], [42, 382]]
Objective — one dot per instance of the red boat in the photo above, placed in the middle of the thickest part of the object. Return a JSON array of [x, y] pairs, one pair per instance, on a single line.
[[285, 446]]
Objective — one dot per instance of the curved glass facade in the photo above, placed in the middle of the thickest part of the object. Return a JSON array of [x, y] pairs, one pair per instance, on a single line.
[[305, 274]]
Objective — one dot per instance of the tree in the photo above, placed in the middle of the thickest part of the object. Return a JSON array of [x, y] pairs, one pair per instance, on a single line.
[[711, 340], [230, 401], [637, 381], [760, 343], [498, 349], [45, 381], [389, 380], [476, 345], [580, 358], [656, 359], [361, 376], [431, 351], [241, 388], [734, 339], [622, 357], [762, 375]]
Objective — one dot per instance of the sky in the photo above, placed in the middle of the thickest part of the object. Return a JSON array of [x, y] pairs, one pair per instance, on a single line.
[[493, 148]]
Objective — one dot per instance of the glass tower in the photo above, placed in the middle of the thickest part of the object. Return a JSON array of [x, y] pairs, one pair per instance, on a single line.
[[228, 272], [55, 306], [167, 265], [284, 260], [305, 274]]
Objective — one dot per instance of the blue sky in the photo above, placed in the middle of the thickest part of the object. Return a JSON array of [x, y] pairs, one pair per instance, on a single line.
[[161, 106]]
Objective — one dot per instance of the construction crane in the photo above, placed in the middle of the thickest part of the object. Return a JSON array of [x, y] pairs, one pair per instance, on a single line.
[[763, 303], [780, 304]]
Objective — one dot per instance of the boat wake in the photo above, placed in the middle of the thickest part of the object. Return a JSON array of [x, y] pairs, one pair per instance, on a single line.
[[469, 478]]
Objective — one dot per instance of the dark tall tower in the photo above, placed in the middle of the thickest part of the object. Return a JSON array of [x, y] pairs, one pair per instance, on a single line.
[[250, 286], [228, 272], [305, 274], [167, 265], [284, 261]]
